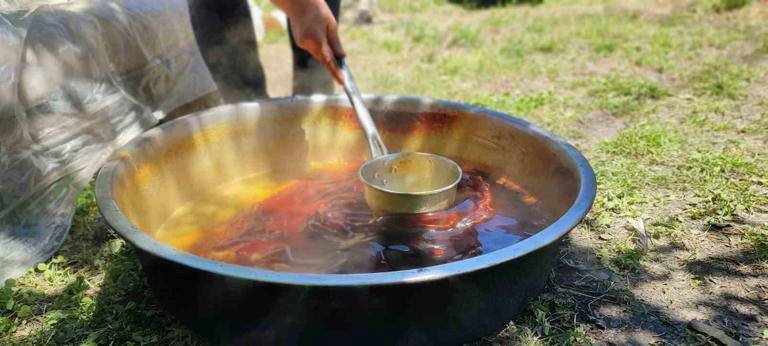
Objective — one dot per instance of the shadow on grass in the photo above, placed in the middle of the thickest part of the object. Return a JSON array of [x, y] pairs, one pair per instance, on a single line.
[[582, 291], [120, 310], [480, 4], [737, 311]]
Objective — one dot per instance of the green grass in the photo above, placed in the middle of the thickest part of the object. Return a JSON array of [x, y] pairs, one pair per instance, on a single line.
[[722, 183], [629, 167], [406, 6], [604, 48], [649, 142], [274, 36], [623, 183], [623, 256], [721, 79], [420, 32], [464, 36], [519, 105], [668, 227], [758, 242], [483, 3], [727, 5], [668, 105], [548, 321], [92, 292], [622, 96], [392, 46]]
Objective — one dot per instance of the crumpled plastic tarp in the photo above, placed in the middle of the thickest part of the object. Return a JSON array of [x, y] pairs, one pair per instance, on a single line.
[[79, 79]]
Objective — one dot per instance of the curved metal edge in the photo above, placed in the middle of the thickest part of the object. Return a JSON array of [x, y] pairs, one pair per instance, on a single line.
[[550, 234], [453, 184]]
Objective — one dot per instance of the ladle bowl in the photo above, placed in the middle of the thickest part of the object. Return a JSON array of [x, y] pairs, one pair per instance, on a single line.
[[196, 157], [410, 182]]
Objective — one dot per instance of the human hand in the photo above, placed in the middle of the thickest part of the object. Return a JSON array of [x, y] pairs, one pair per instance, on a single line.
[[315, 30]]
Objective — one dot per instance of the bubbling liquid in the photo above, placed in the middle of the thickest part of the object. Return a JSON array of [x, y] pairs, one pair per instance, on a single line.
[[323, 225]]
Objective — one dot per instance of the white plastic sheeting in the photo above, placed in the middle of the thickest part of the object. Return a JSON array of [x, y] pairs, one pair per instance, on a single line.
[[77, 80]]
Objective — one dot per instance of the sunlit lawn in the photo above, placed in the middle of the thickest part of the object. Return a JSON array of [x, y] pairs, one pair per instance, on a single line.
[[667, 99]]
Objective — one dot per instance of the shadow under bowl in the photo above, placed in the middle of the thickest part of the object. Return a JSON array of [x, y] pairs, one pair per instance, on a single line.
[[189, 158]]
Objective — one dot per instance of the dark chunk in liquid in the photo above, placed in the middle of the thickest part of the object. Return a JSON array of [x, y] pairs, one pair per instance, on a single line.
[[323, 225]]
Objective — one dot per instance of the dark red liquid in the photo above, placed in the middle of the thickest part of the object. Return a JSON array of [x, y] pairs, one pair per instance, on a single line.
[[323, 225]]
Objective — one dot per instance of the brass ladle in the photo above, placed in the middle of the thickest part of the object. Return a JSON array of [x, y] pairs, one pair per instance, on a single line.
[[405, 182]]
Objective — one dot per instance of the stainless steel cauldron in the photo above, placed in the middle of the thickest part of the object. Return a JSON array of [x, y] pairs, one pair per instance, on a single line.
[[188, 158]]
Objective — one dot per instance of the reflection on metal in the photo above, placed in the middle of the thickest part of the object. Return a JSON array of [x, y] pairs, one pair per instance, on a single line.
[[190, 157], [410, 182], [272, 142], [406, 182]]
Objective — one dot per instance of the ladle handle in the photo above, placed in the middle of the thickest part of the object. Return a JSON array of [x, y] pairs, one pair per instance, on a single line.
[[363, 116]]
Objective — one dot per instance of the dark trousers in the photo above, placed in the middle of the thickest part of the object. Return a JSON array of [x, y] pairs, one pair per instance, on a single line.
[[224, 33]]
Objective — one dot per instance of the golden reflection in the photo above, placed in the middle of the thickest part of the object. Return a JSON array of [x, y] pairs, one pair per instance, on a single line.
[[202, 170]]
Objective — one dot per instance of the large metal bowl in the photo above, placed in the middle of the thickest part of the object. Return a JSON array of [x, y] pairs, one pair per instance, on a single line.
[[188, 158]]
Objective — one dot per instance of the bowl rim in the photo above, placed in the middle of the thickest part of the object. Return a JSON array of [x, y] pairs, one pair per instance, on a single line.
[[553, 232]]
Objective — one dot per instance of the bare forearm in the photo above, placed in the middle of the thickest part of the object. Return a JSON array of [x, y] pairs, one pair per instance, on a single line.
[[291, 7], [315, 30]]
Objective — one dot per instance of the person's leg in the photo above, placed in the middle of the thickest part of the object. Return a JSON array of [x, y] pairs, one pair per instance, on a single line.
[[309, 75], [224, 32], [364, 12]]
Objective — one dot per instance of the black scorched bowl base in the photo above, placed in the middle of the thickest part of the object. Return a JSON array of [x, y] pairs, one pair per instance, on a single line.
[[451, 310]]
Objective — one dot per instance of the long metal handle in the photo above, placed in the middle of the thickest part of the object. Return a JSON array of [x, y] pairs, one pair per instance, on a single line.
[[374, 140]]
